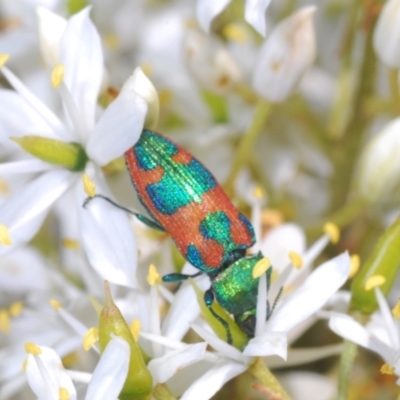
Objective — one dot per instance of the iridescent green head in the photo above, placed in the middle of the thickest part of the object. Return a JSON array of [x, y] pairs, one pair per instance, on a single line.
[[236, 290]]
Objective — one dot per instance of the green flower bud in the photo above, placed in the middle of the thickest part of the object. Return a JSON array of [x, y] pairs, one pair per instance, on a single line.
[[71, 156], [239, 338], [74, 6], [139, 382], [384, 261]]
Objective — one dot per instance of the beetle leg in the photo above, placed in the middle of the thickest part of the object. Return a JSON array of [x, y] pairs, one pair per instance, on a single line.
[[269, 312], [147, 221], [209, 300], [176, 277]]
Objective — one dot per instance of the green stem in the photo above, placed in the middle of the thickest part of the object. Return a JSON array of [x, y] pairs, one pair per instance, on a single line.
[[342, 217], [260, 371], [348, 213], [394, 90], [261, 112], [346, 363]]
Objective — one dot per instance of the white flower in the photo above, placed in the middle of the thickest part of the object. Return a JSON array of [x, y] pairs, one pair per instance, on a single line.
[[50, 381], [387, 34], [210, 62], [105, 231], [378, 169], [381, 334], [207, 10], [285, 56], [272, 338]]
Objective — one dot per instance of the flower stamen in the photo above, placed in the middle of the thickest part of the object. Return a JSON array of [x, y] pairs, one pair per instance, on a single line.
[[57, 75], [91, 337], [296, 259], [332, 231], [261, 267], [5, 236], [374, 281]]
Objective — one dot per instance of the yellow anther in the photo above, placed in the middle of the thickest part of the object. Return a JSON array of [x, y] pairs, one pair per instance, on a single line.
[[63, 394], [57, 75], [70, 360], [135, 329], [147, 69], [153, 276], [56, 304], [387, 369], [261, 267], [88, 185], [32, 348], [91, 337], [165, 97], [3, 59], [111, 40], [396, 310], [332, 231], [274, 275], [5, 236], [374, 281], [235, 32], [70, 244], [16, 308], [258, 193], [296, 259], [24, 365], [4, 188], [354, 265], [191, 23], [4, 321], [271, 218]]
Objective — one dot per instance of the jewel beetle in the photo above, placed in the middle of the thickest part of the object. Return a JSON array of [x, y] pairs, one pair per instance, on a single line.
[[184, 199]]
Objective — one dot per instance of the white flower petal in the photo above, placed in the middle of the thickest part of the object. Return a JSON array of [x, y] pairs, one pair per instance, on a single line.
[[387, 34], [285, 56], [118, 129], [279, 241], [163, 368], [184, 310], [268, 344], [46, 375], [24, 167], [51, 28], [111, 371], [107, 238], [207, 10], [55, 128], [390, 324], [82, 56], [23, 271], [24, 212], [346, 327], [218, 344], [254, 14], [378, 167], [312, 295], [208, 384]]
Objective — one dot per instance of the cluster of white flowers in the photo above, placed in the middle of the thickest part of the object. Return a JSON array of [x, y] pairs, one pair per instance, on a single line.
[[296, 130]]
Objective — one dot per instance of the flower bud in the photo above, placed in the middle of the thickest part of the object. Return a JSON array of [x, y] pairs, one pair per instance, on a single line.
[[383, 263], [210, 63], [378, 170], [139, 382], [285, 56], [142, 86], [387, 34], [71, 156], [51, 28]]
